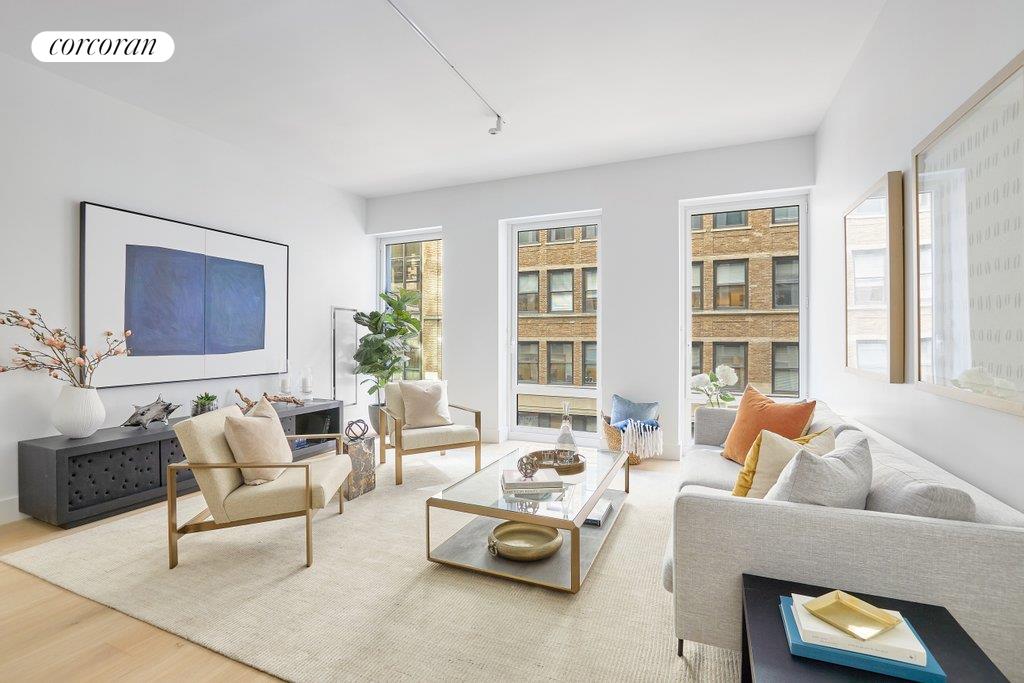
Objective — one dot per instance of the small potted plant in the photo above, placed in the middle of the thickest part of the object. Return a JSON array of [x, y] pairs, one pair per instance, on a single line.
[[204, 403]]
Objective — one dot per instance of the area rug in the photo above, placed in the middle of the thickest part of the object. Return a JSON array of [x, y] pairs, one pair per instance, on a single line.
[[373, 608]]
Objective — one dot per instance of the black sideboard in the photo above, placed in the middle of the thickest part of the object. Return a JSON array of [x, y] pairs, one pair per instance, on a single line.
[[68, 482]]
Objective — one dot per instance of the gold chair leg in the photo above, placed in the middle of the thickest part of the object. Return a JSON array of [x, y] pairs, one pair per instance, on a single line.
[[309, 538], [476, 456], [345, 486], [398, 467], [172, 518]]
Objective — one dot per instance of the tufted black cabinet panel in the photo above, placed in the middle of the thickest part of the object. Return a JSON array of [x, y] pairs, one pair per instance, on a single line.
[[95, 478]]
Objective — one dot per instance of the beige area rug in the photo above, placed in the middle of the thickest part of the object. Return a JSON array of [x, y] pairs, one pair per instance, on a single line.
[[373, 608]]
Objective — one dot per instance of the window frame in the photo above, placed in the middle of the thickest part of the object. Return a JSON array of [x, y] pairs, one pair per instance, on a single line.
[[699, 285], [775, 347], [583, 232], [746, 285], [699, 346], [787, 222], [571, 363], [775, 282], [583, 363], [519, 294], [536, 233], [743, 378], [740, 226], [535, 363], [571, 290], [572, 234], [596, 290]]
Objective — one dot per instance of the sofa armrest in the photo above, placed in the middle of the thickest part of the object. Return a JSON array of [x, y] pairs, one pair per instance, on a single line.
[[974, 570], [711, 425]]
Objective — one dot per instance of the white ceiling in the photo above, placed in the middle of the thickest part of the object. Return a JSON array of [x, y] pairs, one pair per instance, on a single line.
[[345, 91]]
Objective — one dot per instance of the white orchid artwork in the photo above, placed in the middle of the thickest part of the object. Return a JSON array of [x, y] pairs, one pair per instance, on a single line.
[[714, 385]]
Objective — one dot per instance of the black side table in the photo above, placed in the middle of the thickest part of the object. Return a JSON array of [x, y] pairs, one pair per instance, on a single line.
[[766, 656]]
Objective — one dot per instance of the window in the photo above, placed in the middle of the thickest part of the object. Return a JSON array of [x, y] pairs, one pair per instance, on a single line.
[[926, 273], [733, 354], [697, 222], [560, 291], [529, 362], [560, 235], [529, 292], [785, 282], [583, 423], [590, 362], [785, 214], [417, 266], [529, 237], [730, 284], [786, 368], [589, 232], [926, 359], [697, 285], [559, 362], [696, 358], [731, 219], [873, 355], [869, 277], [590, 290]]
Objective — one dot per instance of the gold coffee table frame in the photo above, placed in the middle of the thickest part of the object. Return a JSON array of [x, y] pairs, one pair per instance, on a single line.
[[469, 552]]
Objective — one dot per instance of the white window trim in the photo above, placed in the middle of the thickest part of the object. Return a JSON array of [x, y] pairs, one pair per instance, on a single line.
[[512, 388]]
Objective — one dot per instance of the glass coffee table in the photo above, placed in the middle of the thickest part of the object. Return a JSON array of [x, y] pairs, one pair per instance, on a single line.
[[480, 495]]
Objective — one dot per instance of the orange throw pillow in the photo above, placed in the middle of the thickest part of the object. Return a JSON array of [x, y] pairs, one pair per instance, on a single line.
[[757, 412]]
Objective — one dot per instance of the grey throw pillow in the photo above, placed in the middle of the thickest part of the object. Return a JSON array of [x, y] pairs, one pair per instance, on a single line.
[[906, 491], [839, 479]]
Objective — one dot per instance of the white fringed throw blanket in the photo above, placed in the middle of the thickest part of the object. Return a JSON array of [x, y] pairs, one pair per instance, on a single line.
[[642, 438]]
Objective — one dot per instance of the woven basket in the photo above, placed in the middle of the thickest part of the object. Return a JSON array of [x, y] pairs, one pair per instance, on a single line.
[[614, 438]]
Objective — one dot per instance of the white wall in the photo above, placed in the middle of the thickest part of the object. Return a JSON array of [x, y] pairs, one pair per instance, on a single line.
[[639, 242], [919, 63], [62, 143]]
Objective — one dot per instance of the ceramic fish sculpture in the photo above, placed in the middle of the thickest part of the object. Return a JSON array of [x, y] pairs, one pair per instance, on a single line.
[[157, 411]]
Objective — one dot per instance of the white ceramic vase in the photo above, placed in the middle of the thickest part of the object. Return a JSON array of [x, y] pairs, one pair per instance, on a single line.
[[78, 412]]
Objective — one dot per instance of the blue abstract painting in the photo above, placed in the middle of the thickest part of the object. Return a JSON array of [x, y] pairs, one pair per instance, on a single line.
[[182, 303]]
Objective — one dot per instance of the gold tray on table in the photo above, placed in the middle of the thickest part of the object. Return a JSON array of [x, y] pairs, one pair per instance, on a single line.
[[523, 542], [549, 459], [851, 615]]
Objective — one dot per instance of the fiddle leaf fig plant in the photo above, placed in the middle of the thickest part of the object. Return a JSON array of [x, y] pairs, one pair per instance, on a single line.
[[383, 350]]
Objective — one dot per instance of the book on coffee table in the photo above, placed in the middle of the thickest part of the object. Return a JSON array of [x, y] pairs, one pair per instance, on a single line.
[[542, 480]]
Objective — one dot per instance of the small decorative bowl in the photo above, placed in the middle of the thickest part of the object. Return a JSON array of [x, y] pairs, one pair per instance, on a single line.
[[523, 542]]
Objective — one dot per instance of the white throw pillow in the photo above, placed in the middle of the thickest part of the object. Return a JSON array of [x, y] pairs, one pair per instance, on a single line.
[[840, 479], [426, 403], [258, 438], [776, 452]]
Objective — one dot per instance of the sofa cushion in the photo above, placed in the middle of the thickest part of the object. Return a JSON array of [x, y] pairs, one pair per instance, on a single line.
[[769, 456], [425, 403], [906, 491], [825, 418], [258, 439], [429, 437], [203, 441], [705, 466], [840, 479], [757, 412], [623, 409], [287, 493]]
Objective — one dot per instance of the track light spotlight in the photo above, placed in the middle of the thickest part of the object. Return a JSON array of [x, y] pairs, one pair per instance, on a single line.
[[497, 126]]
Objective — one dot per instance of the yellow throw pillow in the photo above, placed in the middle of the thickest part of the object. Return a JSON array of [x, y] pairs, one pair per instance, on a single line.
[[770, 454]]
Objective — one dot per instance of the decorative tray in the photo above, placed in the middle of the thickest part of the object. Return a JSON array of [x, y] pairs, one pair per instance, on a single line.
[[851, 615], [549, 459]]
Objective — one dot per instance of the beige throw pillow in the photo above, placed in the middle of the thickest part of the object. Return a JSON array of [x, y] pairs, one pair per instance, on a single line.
[[426, 403], [771, 453], [258, 438]]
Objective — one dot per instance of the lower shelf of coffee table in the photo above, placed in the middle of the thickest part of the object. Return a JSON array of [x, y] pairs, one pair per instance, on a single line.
[[467, 548]]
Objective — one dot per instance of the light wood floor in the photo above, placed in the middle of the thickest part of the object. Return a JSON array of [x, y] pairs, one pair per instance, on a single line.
[[50, 634]]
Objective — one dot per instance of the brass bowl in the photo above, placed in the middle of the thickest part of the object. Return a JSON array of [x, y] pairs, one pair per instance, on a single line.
[[549, 459], [523, 542]]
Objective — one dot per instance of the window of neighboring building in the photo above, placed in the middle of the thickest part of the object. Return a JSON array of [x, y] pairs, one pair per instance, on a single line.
[[589, 232], [697, 222], [785, 282], [590, 362], [873, 355], [696, 358], [560, 291], [529, 237], [560, 235], [414, 366], [786, 368], [529, 362], [733, 354], [785, 214], [731, 284], [417, 266], [731, 219], [559, 362], [590, 290], [583, 423], [697, 285], [869, 277], [529, 292]]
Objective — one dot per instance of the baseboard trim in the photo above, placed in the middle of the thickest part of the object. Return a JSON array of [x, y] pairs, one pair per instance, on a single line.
[[9, 510]]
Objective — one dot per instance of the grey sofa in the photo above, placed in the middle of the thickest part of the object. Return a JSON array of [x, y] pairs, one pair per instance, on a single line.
[[974, 569]]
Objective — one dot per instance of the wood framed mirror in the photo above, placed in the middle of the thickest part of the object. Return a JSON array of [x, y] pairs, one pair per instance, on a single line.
[[873, 245]]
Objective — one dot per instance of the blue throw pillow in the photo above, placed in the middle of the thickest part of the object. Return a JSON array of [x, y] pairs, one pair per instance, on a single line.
[[624, 409]]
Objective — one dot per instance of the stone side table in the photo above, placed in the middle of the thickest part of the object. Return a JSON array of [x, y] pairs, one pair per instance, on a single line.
[[364, 466]]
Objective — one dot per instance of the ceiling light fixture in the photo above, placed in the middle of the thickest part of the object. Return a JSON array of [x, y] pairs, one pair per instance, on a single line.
[[499, 119]]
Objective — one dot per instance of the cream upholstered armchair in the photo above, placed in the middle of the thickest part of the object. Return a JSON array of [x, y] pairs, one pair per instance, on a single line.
[[409, 441], [303, 488]]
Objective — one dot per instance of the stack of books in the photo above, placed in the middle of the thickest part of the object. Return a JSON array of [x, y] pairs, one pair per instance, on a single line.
[[599, 513], [897, 652], [543, 481]]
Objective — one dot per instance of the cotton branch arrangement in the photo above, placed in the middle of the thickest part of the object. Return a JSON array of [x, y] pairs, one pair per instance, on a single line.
[[61, 356], [713, 385]]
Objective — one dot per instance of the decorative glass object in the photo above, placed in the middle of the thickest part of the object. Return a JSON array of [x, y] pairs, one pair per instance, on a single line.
[[566, 442], [285, 383], [306, 383]]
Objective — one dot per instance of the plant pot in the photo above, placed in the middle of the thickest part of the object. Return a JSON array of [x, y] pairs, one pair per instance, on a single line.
[[78, 412], [199, 409], [373, 414]]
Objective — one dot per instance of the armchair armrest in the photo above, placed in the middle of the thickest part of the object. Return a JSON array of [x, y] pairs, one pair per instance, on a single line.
[[476, 418], [186, 465], [974, 570], [467, 409], [711, 425]]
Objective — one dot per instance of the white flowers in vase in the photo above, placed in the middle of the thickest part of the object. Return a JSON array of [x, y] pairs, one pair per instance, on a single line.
[[713, 385]]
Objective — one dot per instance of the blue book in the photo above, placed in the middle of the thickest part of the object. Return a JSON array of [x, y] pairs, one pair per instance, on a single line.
[[930, 673]]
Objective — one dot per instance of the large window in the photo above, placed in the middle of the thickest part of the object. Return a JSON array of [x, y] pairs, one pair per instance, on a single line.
[[560, 363], [731, 284], [590, 290], [590, 362], [786, 282], [786, 368], [782, 215], [869, 277], [560, 291], [529, 292], [529, 362], [416, 265], [560, 235], [731, 219], [697, 285], [733, 354]]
